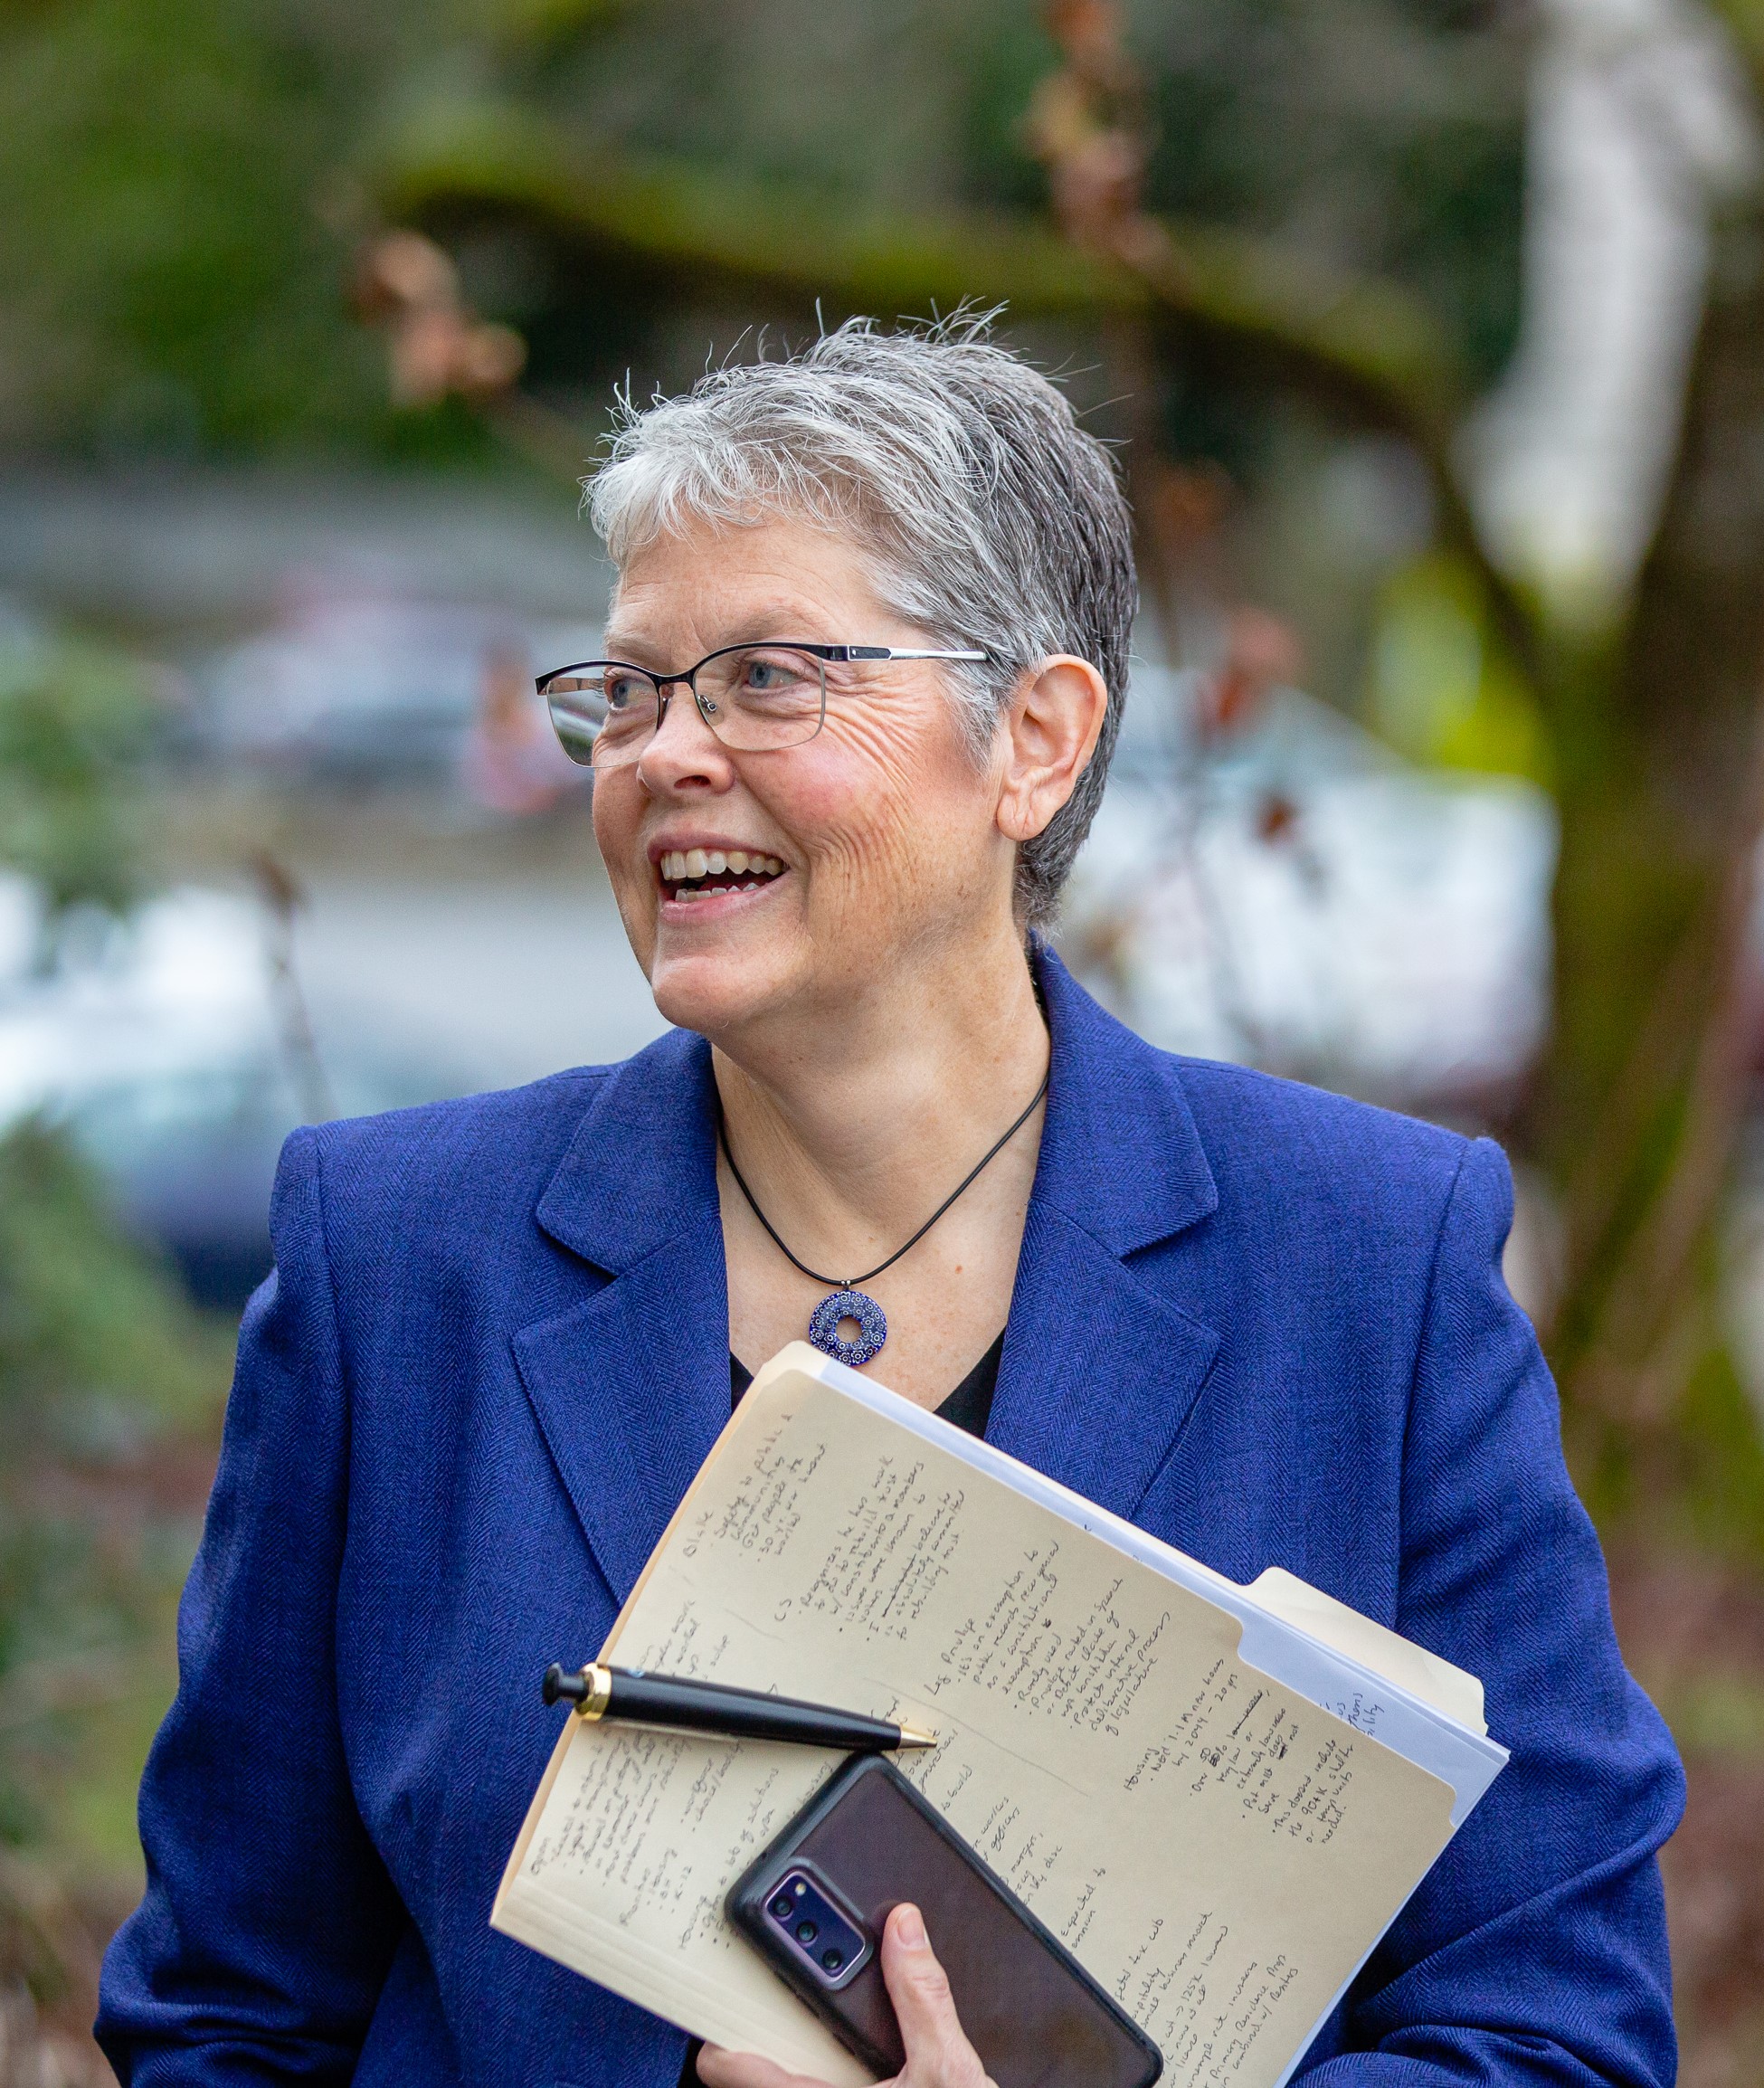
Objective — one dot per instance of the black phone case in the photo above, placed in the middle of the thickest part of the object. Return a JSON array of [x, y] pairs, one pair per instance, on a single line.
[[1035, 2016]]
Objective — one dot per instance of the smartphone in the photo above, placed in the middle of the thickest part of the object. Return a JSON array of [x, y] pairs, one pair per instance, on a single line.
[[815, 1901]]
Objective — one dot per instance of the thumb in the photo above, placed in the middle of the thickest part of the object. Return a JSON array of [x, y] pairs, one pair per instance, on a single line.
[[938, 2054]]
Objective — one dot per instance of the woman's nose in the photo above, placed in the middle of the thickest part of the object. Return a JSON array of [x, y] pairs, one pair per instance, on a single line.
[[682, 751]]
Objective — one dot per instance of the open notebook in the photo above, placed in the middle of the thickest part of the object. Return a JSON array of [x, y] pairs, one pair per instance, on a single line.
[[1218, 1796]]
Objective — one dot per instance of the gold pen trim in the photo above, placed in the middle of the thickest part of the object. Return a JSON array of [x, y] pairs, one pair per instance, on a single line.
[[911, 1737], [600, 1691]]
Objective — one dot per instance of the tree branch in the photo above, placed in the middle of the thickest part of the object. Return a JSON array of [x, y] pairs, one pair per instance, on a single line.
[[1361, 339], [1366, 351]]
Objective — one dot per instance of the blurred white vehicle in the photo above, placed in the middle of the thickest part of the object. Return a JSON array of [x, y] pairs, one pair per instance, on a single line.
[[1295, 895]]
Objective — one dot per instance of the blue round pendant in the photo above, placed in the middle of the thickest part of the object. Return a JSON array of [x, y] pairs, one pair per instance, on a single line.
[[849, 1304]]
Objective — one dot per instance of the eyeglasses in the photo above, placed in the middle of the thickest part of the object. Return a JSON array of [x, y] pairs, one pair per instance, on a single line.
[[754, 697]]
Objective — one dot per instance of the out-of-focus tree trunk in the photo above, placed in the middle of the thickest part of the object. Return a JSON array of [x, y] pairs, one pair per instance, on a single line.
[[1656, 739], [1655, 729]]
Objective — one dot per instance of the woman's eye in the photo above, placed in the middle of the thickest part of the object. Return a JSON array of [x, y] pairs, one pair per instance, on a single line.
[[769, 676], [623, 690]]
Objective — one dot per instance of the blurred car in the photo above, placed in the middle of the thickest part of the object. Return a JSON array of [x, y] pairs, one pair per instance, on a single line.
[[353, 687], [162, 1052]]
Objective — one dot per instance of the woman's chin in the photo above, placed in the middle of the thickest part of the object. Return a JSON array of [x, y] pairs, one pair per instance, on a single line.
[[712, 990]]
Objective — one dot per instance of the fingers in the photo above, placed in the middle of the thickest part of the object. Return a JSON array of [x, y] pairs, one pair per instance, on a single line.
[[938, 2054], [718, 2068]]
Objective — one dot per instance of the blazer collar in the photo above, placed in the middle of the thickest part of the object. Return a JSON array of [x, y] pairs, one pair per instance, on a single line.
[[1120, 1153], [631, 1385], [641, 1168], [1101, 1365]]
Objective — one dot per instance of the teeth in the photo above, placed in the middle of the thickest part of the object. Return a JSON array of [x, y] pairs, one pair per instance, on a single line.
[[679, 864]]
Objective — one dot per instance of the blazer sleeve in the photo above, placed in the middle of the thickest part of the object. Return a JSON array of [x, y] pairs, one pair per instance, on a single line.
[[269, 1923], [1535, 1951]]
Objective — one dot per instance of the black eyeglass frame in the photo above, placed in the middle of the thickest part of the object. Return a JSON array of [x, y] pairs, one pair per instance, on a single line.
[[688, 679]]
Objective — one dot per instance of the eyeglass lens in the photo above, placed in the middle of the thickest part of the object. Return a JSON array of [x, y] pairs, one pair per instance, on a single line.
[[754, 698]]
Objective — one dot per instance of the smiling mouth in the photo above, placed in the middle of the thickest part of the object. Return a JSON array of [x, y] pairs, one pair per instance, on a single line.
[[699, 873]]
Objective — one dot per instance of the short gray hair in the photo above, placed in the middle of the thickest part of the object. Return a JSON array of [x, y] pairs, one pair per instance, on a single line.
[[990, 517]]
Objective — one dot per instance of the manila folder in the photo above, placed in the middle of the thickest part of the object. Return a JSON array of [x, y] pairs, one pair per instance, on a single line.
[[1219, 1852]]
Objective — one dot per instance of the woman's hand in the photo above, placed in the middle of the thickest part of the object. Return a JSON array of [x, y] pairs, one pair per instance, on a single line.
[[937, 2053]]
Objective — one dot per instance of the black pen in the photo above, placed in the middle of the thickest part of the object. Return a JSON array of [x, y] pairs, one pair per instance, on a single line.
[[600, 1691]]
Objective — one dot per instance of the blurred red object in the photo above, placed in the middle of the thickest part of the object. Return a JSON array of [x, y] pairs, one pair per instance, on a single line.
[[438, 344], [1261, 654], [1276, 818]]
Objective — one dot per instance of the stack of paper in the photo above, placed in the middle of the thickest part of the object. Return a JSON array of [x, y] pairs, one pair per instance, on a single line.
[[1217, 1796]]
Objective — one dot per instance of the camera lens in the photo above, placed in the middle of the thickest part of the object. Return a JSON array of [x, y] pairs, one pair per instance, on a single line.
[[782, 1907], [806, 1932], [832, 1960]]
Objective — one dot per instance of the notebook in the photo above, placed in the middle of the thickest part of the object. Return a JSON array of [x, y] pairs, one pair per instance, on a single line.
[[1218, 1796]]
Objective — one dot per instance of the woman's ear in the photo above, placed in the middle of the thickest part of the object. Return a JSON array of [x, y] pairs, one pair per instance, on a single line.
[[1051, 730]]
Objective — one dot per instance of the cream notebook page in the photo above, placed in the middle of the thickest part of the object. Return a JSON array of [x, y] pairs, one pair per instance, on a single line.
[[1219, 1852]]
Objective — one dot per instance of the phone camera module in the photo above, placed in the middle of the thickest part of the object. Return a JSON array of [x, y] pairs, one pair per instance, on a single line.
[[823, 1936]]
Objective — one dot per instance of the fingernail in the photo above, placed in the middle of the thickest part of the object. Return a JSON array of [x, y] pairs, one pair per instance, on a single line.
[[909, 1928]]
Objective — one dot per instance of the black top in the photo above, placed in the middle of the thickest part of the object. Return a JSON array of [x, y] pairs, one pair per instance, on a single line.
[[969, 1406]]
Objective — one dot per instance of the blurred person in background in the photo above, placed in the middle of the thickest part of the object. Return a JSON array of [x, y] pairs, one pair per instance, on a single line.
[[864, 668], [512, 763]]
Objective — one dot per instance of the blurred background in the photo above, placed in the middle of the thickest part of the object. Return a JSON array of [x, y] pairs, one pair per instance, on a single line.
[[1431, 335]]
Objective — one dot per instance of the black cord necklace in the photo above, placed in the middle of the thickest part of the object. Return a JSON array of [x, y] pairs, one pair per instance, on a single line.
[[846, 1301]]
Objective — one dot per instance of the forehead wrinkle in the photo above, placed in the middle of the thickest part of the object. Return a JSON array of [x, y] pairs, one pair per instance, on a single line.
[[760, 619]]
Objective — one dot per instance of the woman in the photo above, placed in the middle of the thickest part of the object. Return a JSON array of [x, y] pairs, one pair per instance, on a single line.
[[1266, 1323]]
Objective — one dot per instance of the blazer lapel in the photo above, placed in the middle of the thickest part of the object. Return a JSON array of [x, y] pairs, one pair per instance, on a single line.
[[1100, 1369], [1098, 1372], [630, 1388]]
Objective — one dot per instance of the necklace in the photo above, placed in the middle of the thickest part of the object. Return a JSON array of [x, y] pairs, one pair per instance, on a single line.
[[845, 1301]]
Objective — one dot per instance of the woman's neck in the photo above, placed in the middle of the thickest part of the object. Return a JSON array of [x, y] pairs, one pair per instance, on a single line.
[[845, 1129]]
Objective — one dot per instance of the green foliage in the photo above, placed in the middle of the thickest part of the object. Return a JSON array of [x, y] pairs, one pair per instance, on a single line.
[[1384, 136], [1440, 689], [173, 235], [94, 1339], [75, 721], [1695, 1485], [100, 1360], [182, 181], [1721, 1481], [103, 1365]]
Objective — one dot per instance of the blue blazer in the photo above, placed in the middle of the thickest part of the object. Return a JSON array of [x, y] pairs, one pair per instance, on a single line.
[[1264, 1323]]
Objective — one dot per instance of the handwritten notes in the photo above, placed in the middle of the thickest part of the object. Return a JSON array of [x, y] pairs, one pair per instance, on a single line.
[[1217, 1850]]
